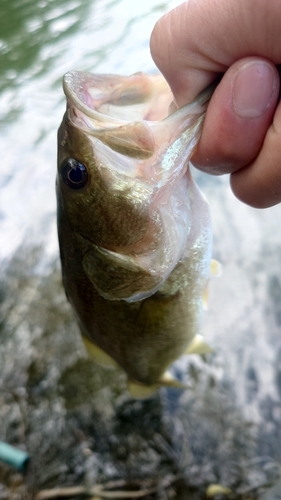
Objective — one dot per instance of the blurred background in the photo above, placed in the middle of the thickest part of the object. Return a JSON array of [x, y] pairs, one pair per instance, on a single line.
[[77, 421]]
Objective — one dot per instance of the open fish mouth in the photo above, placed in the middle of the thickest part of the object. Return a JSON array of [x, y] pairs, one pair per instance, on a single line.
[[129, 114]]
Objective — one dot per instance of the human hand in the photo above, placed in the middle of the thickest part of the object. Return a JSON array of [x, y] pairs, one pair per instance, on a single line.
[[198, 40]]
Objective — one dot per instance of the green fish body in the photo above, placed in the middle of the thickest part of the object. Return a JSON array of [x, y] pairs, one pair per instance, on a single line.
[[134, 230]]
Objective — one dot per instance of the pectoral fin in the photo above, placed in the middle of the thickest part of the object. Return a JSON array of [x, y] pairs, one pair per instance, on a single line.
[[198, 346], [100, 356], [142, 391]]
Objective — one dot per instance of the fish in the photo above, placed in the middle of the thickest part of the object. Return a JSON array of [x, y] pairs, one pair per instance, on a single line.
[[134, 230]]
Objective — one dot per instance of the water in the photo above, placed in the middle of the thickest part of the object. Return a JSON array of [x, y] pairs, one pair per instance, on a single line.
[[78, 422], [40, 42]]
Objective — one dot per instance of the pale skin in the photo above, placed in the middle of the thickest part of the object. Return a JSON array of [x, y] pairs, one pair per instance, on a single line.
[[200, 39]]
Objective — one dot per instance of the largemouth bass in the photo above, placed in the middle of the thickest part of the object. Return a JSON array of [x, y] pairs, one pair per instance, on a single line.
[[134, 230]]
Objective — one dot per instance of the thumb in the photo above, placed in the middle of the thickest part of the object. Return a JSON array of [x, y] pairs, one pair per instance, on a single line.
[[238, 117]]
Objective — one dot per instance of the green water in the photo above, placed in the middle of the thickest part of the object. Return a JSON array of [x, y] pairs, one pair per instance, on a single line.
[[40, 41], [42, 38], [26, 28], [33, 34]]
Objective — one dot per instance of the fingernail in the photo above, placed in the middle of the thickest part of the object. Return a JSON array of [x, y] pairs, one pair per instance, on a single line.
[[253, 88]]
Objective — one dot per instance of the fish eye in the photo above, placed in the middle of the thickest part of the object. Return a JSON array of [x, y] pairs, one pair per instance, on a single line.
[[73, 173]]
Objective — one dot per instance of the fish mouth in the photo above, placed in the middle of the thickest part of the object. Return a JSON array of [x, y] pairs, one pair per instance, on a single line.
[[132, 115]]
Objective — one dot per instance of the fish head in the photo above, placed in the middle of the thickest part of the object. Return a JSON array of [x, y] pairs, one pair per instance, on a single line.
[[123, 182]]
